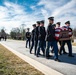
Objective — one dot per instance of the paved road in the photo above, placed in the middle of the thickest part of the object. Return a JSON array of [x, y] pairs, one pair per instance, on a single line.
[[66, 67], [74, 40]]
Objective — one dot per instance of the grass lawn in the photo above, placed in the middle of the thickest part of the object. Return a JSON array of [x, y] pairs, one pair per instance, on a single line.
[[10, 64]]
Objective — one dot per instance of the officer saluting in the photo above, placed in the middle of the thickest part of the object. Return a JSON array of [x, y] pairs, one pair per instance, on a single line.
[[67, 41], [32, 37], [28, 37], [36, 35], [50, 39], [41, 38]]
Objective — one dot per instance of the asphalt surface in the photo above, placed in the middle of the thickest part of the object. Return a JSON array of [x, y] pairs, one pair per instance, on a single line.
[[74, 40], [67, 66]]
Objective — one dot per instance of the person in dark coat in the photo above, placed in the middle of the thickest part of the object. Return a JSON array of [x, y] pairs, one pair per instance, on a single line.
[[50, 39], [28, 37], [52, 51], [41, 38], [67, 41], [32, 38], [36, 35]]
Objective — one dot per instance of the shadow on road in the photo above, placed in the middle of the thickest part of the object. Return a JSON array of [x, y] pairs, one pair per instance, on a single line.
[[64, 58], [67, 59]]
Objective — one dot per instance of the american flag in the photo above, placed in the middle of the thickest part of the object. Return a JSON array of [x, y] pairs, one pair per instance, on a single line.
[[58, 30]]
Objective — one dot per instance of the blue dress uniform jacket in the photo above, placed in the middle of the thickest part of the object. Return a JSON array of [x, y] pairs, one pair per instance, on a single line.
[[33, 34], [42, 33], [41, 40], [36, 33], [32, 39], [50, 36], [36, 38], [28, 35]]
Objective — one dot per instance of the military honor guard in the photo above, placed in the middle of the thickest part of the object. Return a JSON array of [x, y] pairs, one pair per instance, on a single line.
[[50, 39], [41, 38], [32, 38], [28, 37], [36, 35], [57, 33], [68, 41]]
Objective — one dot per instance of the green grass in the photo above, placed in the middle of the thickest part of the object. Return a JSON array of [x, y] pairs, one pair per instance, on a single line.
[[10, 64]]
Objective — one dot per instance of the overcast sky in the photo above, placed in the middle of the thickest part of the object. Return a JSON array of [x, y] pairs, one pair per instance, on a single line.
[[13, 13]]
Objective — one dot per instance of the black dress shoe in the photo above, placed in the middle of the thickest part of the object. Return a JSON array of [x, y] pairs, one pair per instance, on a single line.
[[70, 55], [37, 55], [65, 53], [57, 60], [47, 57], [43, 54]]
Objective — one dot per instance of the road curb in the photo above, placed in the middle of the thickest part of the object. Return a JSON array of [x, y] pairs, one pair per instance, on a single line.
[[41, 67]]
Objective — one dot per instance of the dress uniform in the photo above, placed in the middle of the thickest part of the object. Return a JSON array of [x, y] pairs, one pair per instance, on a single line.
[[41, 38], [32, 37], [28, 37], [68, 41], [36, 35], [52, 51], [50, 39], [60, 42]]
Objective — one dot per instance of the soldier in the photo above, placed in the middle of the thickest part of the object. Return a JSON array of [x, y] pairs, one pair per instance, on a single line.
[[41, 38], [36, 35], [67, 41], [52, 51], [28, 37], [60, 42], [50, 39], [32, 37]]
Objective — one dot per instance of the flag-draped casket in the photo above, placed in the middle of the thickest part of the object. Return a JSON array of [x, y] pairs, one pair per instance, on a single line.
[[63, 33]]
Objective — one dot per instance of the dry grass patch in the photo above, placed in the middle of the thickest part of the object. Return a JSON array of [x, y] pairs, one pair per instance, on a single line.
[[10, 64], [74, 44]]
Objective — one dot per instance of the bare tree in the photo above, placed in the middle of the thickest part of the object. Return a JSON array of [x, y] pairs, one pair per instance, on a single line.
[[15, 33], [18, 33], [22, 29]]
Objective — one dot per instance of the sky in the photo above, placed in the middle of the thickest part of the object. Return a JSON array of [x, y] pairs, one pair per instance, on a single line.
[[14, 13]]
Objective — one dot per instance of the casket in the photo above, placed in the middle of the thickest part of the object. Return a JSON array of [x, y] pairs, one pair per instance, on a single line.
[[63, 33], [57, 33]]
